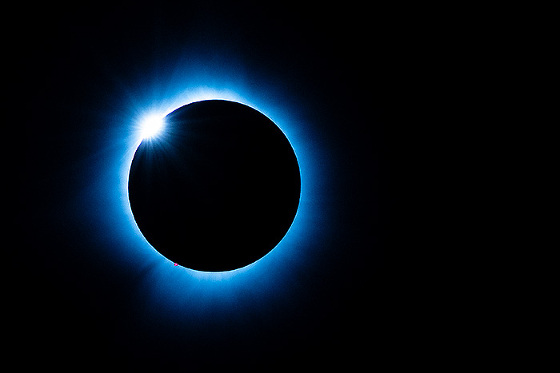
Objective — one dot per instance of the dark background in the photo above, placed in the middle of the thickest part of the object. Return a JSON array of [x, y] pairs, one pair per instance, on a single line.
[[354, 66]]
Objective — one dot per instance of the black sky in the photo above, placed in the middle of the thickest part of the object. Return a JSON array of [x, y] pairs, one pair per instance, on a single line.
[[350, 66]]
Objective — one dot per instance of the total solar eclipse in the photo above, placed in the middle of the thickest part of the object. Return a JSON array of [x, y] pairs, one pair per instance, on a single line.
[[217, 187]]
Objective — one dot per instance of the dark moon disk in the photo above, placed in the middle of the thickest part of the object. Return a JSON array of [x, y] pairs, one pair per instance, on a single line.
[[218, 189]]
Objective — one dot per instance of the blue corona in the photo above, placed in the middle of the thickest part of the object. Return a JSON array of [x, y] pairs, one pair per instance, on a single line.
[[172, 293]]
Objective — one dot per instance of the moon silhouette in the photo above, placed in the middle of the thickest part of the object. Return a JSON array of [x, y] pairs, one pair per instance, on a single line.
[[218, 189]]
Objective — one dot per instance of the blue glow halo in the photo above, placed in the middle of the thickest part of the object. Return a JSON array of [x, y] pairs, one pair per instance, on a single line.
[[173, 292]]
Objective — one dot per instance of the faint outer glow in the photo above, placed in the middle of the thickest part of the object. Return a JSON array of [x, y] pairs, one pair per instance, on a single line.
[[151, 126], [171, 292]]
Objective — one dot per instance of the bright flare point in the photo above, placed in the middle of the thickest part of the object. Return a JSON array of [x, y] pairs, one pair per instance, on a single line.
[[151, 126]]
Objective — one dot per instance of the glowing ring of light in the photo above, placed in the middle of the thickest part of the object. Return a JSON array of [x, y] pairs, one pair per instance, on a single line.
[[152, 126], [171, 291]]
